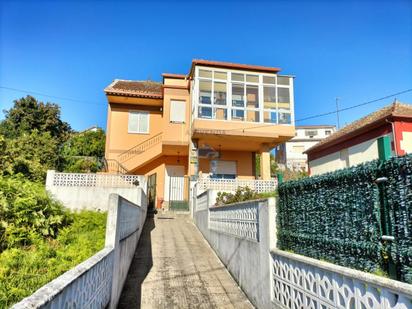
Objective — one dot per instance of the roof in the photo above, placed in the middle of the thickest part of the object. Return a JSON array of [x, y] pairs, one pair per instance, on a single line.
[[143, 88], [173, 75], [314, 126], [396, 109], [230, 65]]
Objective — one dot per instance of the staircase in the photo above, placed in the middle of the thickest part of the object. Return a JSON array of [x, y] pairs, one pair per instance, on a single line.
[[142, 153]]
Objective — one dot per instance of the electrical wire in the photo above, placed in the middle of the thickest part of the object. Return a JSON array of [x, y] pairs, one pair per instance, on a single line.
[[332, 112], [49, 96], [236, 129]]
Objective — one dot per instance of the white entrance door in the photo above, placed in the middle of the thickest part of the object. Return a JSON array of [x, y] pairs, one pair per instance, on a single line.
[[174, 182]]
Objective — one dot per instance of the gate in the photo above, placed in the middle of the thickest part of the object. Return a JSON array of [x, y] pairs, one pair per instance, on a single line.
[[177, 199]]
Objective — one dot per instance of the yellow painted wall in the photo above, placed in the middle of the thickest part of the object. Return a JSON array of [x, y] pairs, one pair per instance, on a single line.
[[243, 160], [158, 166], [175, 132], [118, 138]]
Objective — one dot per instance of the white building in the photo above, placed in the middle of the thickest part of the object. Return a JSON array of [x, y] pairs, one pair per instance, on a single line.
[[290, 154]]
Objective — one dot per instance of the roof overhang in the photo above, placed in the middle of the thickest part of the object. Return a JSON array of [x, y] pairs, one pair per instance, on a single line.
[[229, 65]]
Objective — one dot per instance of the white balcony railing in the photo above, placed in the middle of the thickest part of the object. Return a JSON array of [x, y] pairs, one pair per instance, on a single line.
[[260, 186]]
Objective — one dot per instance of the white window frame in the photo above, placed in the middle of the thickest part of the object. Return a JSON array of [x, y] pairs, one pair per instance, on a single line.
[[171, 110], [135, 111], [229, 108]]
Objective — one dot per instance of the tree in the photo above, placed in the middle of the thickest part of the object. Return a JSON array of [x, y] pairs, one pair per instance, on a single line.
[[83, 151], [30, 154], [28, 114]]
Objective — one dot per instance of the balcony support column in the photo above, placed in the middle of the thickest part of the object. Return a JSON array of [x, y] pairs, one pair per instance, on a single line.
[[265, 163]]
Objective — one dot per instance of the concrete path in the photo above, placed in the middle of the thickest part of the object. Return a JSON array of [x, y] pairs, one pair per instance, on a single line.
[[174, 267]]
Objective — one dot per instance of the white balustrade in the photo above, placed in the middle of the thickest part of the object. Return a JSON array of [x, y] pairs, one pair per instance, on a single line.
[[302, 282], [92, 180], [240, 220], [260, 186]]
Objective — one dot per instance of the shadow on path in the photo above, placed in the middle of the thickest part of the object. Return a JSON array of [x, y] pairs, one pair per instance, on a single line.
[[139, 269]]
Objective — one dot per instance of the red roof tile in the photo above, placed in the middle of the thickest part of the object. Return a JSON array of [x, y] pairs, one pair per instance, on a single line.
[[396, 109], [144, 88]]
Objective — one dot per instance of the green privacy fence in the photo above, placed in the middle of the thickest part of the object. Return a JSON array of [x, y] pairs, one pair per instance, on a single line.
[[360, 217]]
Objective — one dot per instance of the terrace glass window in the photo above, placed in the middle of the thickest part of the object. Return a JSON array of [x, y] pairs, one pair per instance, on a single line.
[[238, 114], [219, 93], [238, 95], [269, 97], [205, 92], [243, 96], [252, 96], [270, 116]]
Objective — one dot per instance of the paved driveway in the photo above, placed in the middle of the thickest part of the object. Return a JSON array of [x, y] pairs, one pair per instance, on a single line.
[[174, 267]]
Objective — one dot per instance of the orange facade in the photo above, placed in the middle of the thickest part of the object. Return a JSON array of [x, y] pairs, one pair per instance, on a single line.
[[179, 129]]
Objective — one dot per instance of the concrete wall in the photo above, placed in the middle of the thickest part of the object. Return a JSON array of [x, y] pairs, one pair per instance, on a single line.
[[329, 163], [98, 281], [247, 260], [91, 198]]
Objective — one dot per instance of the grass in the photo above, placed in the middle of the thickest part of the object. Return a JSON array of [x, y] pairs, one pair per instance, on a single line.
[[24, 270]]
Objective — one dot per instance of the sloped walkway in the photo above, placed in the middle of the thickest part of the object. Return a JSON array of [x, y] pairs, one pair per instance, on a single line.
[[174, 267]]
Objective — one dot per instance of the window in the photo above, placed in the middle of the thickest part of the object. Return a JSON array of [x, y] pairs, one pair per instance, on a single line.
[[269, 97], [138, 122], [311, 133], [252, 96], [223, 169], [177, 111], [242, 96], [205, 73], [284, 118], [283, 98], [205, 92], [268, 80], [328, 132], [220, 93], [220, 75], [283, 80], [238, 95]]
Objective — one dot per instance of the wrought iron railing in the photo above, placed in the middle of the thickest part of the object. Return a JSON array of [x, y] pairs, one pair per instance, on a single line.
[[114, 166]]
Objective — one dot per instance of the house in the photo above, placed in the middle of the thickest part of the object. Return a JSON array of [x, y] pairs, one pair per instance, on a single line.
[[358, 142], [291, 154], [209, 123]]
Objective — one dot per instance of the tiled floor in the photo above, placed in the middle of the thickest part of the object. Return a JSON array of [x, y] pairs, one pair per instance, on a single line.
[[174, 267]]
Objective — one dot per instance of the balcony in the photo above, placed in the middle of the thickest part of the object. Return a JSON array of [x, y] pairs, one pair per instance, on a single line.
[[241, 105]]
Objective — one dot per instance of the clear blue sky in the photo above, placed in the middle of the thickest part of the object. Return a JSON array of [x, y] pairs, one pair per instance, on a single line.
[[355, 50]]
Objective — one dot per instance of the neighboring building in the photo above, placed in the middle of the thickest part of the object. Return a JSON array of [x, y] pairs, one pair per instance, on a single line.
[[357, 142], [291, 154], [91, 129], [210, 122]]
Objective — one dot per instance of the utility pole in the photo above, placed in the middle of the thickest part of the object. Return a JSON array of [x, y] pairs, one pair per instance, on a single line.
[[337, 111]]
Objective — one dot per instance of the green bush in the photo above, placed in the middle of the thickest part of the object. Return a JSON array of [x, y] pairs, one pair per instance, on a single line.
[[242, 194], [27, 211], [24, 270]]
